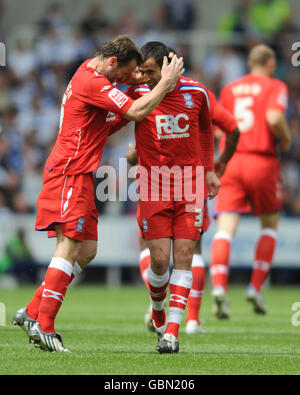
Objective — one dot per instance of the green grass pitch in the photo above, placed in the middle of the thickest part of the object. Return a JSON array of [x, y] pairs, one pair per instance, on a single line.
[[104, 329]]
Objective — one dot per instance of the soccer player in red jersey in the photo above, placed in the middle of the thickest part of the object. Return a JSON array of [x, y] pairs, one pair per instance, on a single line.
[[252, 181], [65, 206], [178, 133], [223, 120]]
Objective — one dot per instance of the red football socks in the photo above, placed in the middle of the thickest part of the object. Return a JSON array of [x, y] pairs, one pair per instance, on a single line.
[[34, 305], [57, 279], [220, 255], [264, 253], [158, 286], [180, 285], [196, 292]]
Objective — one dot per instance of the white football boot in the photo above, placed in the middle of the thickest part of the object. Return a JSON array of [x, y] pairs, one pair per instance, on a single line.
[[221, 307], [168, 344], [256, 298], [22, 320], [193, 327], [46, 341], [148, 319], [160, 330]]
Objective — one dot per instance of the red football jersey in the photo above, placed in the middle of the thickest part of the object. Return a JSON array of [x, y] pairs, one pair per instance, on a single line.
[[248, 99], [85, 122], [220, 117], [178, 132]]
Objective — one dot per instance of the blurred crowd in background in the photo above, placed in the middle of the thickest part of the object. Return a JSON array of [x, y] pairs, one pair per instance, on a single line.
[[38, 71]]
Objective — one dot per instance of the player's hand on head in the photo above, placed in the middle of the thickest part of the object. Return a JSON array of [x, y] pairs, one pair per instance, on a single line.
[[170, 72], [213, 184]]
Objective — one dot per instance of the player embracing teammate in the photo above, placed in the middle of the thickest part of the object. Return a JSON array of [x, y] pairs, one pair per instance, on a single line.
[[65, 206]]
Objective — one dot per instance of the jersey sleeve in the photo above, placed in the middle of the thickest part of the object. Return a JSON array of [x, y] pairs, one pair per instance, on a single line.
[[119, 122], [206, 134], [221, 118], [279, 98], [104, 95]]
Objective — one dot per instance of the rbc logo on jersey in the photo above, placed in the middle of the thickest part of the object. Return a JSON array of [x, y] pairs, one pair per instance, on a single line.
[[79, 226], [188, 100], [172, 126]]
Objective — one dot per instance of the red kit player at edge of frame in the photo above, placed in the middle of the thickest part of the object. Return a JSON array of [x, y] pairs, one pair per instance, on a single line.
[[252, 180]]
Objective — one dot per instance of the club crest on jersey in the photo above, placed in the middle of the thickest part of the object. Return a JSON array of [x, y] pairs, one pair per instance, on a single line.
[[188, 100], [80, 223]]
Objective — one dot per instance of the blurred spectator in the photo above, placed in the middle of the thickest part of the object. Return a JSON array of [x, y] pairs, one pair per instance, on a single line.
[[42, 118], [32, 86], [22, 59], [180, 14], [261, 17], [223, 66], [127, 23], [5, 97], [237, 20], [94, 22], [17, 260], [54, 20], [269, 16]]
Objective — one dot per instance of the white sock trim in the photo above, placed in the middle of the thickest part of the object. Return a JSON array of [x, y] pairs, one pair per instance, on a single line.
[[183, 278], [175, 315], [223, 235], [198, 261], [76, 269], [269, 232], [61, 264], [144, 253], [156, 280]]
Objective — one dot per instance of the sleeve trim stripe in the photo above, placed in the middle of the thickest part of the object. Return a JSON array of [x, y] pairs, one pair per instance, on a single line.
[[195, 87]]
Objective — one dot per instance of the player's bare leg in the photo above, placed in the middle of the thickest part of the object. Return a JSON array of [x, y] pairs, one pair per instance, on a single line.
[[144, 263], [180, 284], [193, 324], [158, 280], [87, 252], [219, 267], [263, 258]]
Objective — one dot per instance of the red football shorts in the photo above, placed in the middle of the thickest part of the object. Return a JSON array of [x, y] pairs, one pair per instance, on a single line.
[[68, 200], [251, 183], [170, 219]]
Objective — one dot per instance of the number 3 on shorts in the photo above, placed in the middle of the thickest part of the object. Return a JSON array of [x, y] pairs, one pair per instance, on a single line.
[[199, 217]]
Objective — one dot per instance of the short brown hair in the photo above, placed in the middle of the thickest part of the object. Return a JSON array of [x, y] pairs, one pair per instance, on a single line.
[[123, 48], [260, 54]]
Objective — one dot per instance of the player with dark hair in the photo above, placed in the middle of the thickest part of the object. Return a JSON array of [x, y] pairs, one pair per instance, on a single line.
[[252, 181], [224, 121], [66, 206], [177, 134]]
